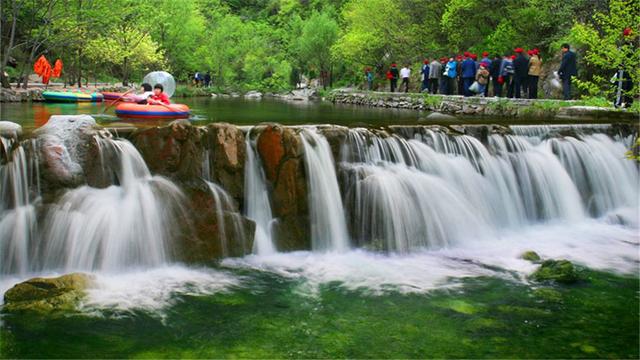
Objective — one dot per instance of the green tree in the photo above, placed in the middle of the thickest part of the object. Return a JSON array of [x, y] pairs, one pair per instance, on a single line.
[[373, 33], [313, 46], [606, 49]]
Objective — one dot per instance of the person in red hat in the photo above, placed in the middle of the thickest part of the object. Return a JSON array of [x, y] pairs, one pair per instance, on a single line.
[[395, 74], [535, 67], [435, 74], [442, 87], [425, 75], [506, 75], [521, 68], [459, 61], [468, 73], [623, 81]]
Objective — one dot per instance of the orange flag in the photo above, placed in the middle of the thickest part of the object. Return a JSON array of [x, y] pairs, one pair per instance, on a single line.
[[57, 69], [38, 66]]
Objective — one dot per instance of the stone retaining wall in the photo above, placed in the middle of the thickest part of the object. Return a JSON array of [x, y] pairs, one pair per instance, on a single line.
[[20, 95], [481, 106]]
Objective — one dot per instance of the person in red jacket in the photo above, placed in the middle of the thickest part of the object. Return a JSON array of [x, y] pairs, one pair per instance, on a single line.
[[158, 97]]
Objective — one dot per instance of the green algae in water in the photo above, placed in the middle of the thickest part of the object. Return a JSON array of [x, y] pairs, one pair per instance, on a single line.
[[484, 317]]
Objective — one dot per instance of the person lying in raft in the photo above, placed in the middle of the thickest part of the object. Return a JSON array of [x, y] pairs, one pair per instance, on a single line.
[[158, 97], [140, 98]]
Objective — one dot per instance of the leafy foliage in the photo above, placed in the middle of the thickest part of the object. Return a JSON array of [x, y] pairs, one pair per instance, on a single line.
[[271, 44]]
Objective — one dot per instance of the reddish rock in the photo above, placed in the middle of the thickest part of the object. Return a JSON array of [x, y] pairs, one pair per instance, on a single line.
[[201, 239], [174, 150], [271, 150], [227, 156], [281, 152]]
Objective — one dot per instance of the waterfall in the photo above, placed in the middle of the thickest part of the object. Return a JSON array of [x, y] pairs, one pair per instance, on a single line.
[[434, 189], [228, 218], [328, 225], [124, 225], [256, 201], [19, 190]]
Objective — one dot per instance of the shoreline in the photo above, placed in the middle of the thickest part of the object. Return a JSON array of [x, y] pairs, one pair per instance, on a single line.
[[447, 106]]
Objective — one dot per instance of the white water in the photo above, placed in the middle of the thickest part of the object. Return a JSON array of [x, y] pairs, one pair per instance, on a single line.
[[328, 226], [256, 202], [591, 243], [435, 190], [18, 224], [125, 225]]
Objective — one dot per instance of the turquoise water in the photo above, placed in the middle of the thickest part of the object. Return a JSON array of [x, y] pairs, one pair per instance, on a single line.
[[270, 316]]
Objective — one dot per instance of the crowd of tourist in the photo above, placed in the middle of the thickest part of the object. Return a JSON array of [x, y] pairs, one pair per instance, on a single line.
[[514, 75]]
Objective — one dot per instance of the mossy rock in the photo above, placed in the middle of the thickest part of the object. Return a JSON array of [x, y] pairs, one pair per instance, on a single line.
[[548, 295], [48, 295], [530, 256], [561, 271]]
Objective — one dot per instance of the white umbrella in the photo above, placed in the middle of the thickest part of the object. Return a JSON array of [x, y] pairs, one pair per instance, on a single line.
[[163, 78]]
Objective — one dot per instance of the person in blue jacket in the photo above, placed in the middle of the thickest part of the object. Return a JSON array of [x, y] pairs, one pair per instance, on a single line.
[[568, 69], [469, 70], [450, 75], [521, 72], [425, 76]]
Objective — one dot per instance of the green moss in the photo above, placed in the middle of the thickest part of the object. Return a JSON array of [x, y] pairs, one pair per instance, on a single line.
[[432, 101], [530, 256], [460, 306], [548, 295], [272, 317], [502, 107], [47, 295], [561, 271]]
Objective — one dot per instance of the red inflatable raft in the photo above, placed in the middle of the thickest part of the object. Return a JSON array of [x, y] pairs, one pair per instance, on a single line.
[[173, 111]]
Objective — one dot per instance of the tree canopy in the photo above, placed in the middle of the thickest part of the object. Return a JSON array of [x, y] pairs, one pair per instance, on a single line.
[[268, 43]]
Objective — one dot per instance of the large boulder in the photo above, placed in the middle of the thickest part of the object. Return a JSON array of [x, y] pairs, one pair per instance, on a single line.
[[227, 156], [10, 130], [65, 146], [48, 295], [281, 152], [174, 151], [336, 136]]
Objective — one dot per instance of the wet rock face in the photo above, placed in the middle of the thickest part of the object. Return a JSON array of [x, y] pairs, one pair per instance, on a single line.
[[281, 152], [227, 157], [207, 235], [174, 151], [48, 295]]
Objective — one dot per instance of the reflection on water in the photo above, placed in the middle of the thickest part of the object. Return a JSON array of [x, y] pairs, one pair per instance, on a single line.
[[207, 110]]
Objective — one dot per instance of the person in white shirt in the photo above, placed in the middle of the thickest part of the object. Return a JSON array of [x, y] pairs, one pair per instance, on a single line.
[[405, 72]]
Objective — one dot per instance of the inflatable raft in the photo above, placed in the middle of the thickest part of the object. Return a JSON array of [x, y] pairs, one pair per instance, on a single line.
[[111, 96], [173, 111], [71, 96]]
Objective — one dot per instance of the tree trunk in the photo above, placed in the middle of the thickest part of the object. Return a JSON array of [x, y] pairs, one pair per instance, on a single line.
[[79, 61], [125, 75], [7, 50]]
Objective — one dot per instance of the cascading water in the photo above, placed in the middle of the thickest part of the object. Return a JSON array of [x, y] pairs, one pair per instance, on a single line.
[[120, 226], [126, 224], [256, 201], [328, 226], [436, 189], [19, 189], [228, 218]]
